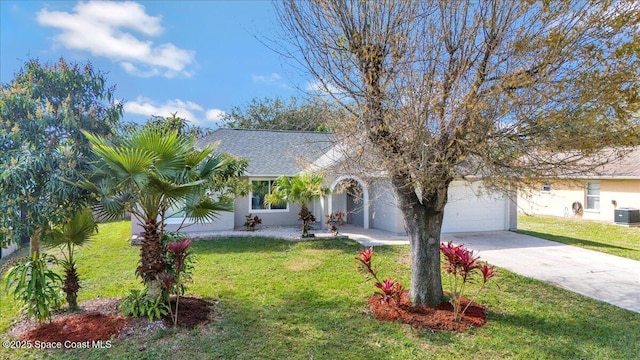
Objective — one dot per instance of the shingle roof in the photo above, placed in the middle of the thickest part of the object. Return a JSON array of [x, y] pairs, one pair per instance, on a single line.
[[271, 152], [628, 166]]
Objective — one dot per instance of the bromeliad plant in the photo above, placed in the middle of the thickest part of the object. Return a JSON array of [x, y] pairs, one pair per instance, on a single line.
[[174, 282], [460, 265], [391, 289]]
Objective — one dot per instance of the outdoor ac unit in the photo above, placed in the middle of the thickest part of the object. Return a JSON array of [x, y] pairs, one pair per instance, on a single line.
[[627, 216]]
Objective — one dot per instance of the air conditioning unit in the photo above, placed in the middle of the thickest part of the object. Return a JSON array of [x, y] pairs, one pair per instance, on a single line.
[[627, 216]]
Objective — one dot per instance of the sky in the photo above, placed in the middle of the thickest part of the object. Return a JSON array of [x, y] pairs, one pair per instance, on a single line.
[[197, 58]]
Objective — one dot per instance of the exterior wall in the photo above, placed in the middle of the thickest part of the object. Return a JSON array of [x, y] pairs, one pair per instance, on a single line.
[[4, 252], [385, 214], [558, 201], [223, 222], [269, 217]]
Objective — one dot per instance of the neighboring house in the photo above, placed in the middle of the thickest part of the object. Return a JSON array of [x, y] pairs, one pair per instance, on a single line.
[[369, 202], [593, 196]]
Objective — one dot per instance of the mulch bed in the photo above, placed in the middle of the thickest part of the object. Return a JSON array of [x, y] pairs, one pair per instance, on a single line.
[[191, 312], [84, 327], [435, 318], [102, 323]]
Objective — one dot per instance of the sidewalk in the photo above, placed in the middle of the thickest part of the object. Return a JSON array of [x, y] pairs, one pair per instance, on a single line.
[[597, 275]]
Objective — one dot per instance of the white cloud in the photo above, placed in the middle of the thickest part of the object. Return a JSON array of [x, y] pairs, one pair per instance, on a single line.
[[215, 115], [266, 79], [318, 88], [193, 112], [107, 29]]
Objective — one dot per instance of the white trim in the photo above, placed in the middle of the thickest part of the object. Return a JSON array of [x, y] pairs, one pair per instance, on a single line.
[[365, 196], [587, 196]]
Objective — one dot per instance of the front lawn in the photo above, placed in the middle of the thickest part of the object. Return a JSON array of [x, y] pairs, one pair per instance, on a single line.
[[608, 238], [306, 300]]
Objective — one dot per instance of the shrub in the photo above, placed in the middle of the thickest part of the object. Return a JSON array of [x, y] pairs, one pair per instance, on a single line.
[[250, 223], [334, 221], [138, 304], [460, 265], [391, 289], [178, 258], [36, 286]]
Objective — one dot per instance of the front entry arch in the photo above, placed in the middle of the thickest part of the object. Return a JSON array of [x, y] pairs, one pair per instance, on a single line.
[[350, 194]]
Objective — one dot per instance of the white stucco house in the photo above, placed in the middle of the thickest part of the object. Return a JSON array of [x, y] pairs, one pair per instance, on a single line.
[[368, 201]]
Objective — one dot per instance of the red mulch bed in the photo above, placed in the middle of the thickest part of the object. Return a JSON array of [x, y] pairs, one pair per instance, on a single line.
[[83, 327], [94, 326], [438, 318]]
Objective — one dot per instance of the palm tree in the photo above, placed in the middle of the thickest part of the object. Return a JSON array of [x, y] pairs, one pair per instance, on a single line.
[[301, 190], [80, 229], [150, 172]]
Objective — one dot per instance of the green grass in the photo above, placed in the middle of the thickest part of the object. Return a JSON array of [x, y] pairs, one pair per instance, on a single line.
[[608, 238], [306, 300]]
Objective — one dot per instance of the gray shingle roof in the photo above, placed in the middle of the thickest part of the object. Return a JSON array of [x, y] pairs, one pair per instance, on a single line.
[[271, 152]]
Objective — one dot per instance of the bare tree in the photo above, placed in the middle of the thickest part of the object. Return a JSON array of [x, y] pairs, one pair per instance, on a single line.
[[504, 90]]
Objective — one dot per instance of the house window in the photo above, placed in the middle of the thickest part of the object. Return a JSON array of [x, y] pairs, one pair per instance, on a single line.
[[546, 187], [593, 196], [261, 188]]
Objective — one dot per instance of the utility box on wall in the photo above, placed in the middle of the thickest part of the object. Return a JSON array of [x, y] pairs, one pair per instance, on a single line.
[[627, 216]]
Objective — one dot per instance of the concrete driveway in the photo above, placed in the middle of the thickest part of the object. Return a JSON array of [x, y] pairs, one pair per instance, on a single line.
[[600, 276]]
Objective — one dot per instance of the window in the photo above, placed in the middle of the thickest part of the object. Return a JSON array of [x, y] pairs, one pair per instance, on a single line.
[[546, 187], [261, 188], [593, 196]]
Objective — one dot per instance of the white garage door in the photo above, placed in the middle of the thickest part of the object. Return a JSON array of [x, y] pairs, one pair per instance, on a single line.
[[470, 208]]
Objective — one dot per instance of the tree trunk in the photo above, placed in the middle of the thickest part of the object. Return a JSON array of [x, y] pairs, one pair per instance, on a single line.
[[423, 224], [151, 254], [71, 285], [34, 244]]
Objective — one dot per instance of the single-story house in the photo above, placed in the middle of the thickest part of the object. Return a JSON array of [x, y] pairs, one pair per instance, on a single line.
[[368, 201], [591, 196]]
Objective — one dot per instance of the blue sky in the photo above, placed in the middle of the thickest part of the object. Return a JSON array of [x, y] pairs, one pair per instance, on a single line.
[[199, 58]]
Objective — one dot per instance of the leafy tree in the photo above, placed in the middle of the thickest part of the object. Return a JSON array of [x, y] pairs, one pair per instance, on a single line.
[[301, 190], [76, 232], [152, 171], [169, 124], [42, 113], [449, 88], [278, 114]]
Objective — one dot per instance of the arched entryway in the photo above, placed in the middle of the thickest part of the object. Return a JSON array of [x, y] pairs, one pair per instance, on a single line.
[[351, 195]]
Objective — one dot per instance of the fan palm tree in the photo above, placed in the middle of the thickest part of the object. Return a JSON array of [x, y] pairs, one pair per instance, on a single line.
[[299, 189], [80, 229], [150, 172]]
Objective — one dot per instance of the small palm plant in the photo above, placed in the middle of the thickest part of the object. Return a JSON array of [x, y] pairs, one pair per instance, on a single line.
[[151, 171], [77, 232], [301, 190]]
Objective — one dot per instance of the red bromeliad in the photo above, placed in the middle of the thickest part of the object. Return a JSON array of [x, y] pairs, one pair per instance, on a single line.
[[487, 272], [179, 252], [460, 264], [391, 289], [178, 249]]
